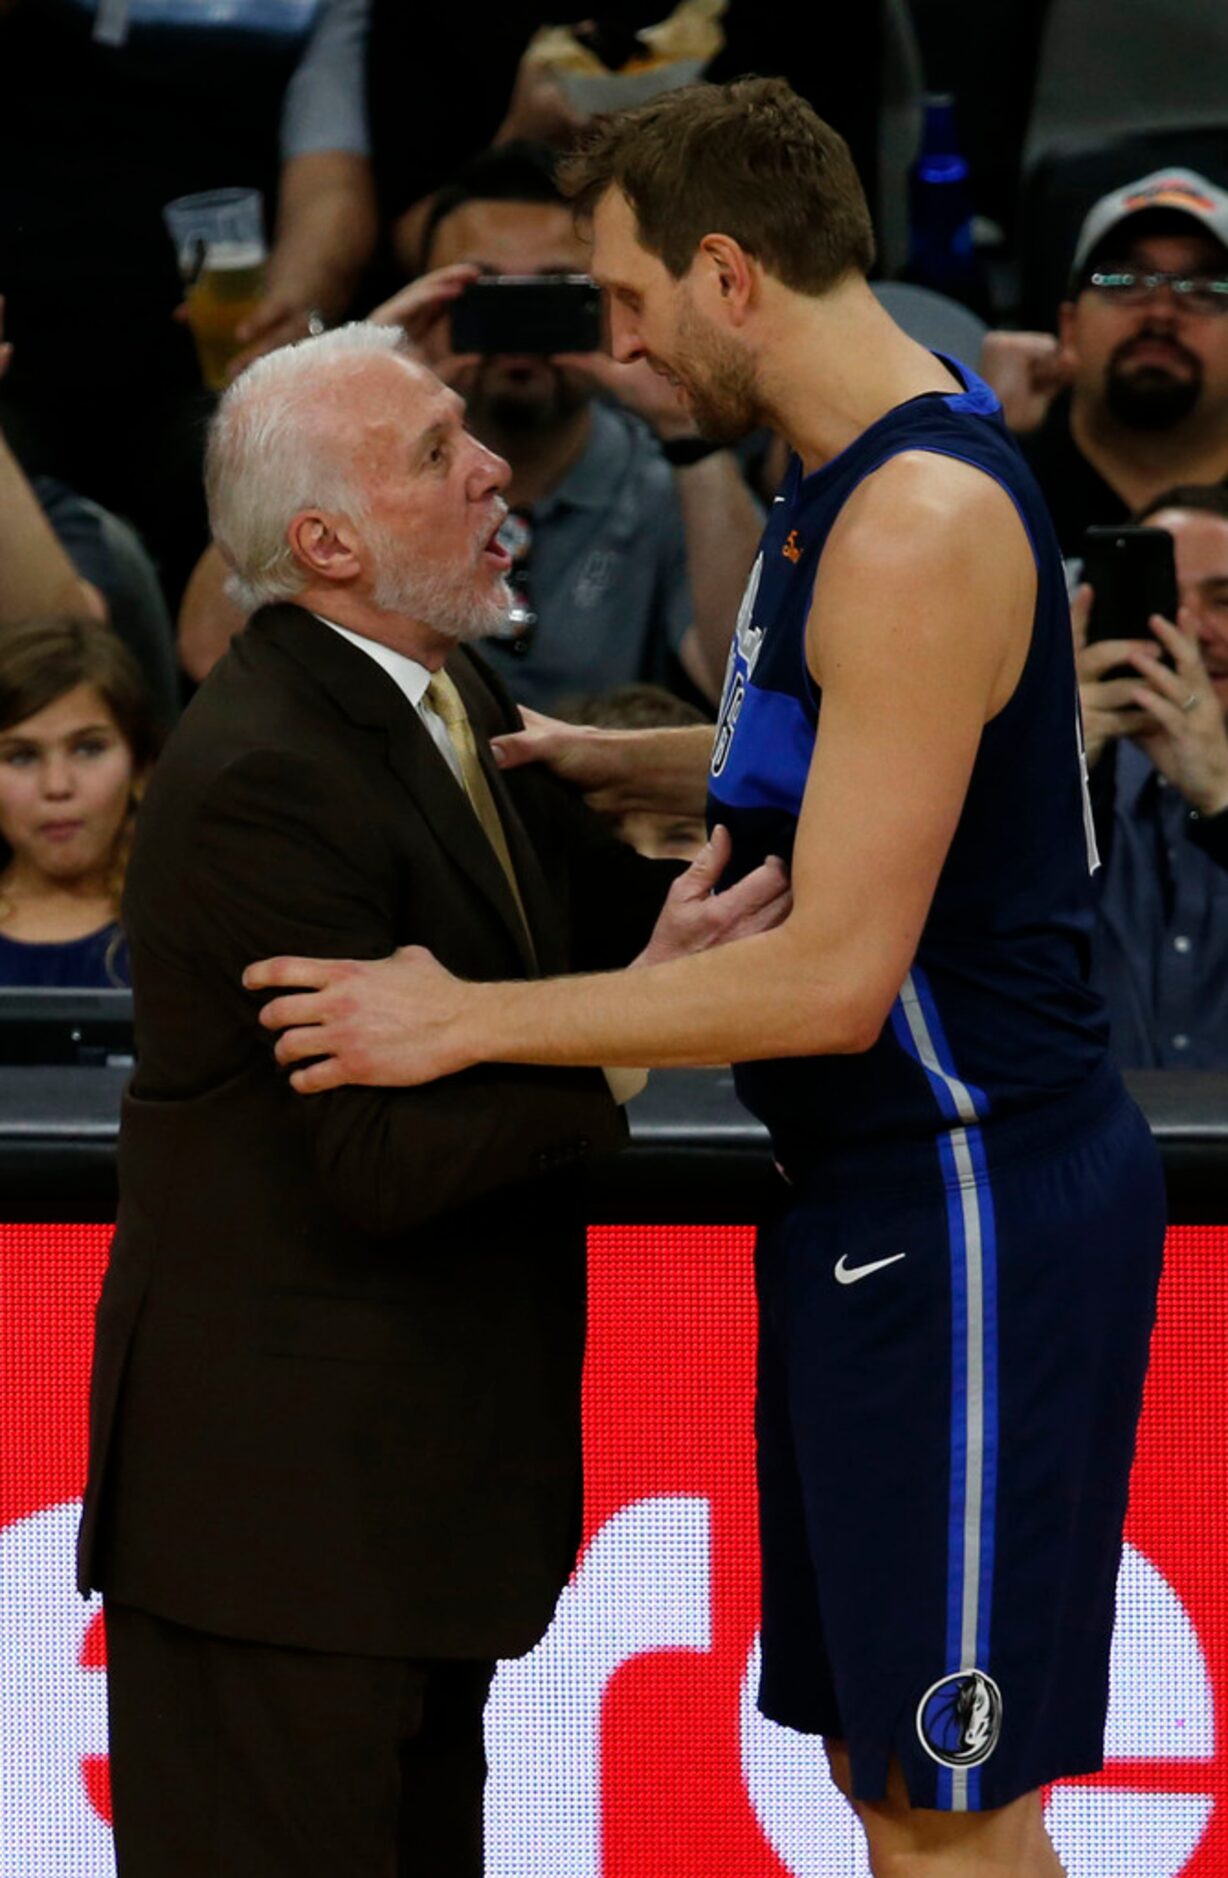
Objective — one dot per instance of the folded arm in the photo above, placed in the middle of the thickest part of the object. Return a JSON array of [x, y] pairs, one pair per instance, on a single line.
[[36, 575]]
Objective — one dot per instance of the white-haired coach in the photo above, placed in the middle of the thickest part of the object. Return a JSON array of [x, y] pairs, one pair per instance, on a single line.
[[334, 1465]]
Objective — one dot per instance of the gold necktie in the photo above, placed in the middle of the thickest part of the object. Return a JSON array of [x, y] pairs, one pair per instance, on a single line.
[[445, 700]]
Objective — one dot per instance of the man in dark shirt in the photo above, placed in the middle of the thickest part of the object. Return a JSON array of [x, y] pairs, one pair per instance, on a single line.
[[1157, 747], [108, 110], [1131, 398], [62, 554]]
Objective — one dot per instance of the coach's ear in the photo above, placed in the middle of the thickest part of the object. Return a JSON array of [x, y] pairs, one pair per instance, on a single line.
[[327, 547]]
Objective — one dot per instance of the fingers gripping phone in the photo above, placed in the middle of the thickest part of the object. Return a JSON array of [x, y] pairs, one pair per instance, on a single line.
[[529, 313], [1133, 574]]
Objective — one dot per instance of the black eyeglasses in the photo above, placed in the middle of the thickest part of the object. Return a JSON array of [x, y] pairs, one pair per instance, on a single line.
[[1197, 293]]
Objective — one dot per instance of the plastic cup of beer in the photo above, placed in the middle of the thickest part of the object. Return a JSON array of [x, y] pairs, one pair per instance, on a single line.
[[219, 239]]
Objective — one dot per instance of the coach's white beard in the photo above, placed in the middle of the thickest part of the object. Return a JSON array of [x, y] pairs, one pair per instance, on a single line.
[[451, 601]]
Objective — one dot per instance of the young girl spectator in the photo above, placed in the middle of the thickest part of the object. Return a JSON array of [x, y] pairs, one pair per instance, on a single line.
[[77, 740]]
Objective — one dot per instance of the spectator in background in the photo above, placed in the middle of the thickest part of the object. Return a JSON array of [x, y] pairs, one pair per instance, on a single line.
[[644, 707], [1157, 748], [77, 741], [61, 554], [486, 92], [108, 109], [1132, 397], [631, 549], [113, 567]]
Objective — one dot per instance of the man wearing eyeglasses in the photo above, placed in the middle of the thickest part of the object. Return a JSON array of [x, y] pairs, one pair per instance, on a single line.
[[1156, 740], [1131, 397]]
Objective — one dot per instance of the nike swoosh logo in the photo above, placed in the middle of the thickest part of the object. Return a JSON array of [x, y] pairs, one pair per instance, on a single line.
[[849, 1274]]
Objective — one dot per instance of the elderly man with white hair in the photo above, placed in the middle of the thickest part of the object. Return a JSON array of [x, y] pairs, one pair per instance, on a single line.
[[335, 1428]]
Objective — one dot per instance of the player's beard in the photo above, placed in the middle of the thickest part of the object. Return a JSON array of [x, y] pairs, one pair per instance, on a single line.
[[718, 376], [1151, 398], [461, 602]]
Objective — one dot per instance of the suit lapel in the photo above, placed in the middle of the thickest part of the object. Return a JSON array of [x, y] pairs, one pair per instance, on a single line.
[[369, 697]]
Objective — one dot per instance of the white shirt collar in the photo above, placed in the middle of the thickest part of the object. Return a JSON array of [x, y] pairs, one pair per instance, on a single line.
[[405, 673]]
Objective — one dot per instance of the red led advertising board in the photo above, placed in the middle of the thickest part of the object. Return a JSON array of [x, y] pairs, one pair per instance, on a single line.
[[627, 1745]]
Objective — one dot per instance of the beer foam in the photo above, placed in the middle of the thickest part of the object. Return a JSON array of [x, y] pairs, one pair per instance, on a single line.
[[224, 257]]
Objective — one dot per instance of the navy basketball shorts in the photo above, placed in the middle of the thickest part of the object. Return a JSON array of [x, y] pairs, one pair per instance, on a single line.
[[953, 1341]]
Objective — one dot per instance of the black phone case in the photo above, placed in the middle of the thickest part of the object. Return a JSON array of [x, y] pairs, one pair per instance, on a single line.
[[527, 314], [1133, 574]]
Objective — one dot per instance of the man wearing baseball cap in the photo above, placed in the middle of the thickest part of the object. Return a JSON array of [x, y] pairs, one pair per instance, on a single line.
[[1132, 396]]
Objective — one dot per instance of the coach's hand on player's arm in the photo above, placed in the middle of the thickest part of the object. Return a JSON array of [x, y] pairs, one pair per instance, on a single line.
[[1107, 681]]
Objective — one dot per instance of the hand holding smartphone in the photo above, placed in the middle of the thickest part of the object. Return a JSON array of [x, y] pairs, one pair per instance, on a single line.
[[1133, 574]]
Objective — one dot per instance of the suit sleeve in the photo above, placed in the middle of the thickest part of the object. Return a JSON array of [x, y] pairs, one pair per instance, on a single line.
[[277, 869]]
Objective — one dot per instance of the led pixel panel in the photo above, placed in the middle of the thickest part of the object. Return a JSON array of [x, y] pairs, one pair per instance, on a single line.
[[628, 1745]]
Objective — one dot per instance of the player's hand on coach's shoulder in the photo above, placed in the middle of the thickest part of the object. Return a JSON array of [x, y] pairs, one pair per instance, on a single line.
[[617, 771], [597, 762], [696, 917]]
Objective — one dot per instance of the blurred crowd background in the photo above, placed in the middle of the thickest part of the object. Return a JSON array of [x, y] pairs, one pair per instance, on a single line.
[[1048, 183]]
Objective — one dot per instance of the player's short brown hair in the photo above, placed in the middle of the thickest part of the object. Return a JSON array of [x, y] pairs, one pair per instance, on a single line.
[[751, 160]]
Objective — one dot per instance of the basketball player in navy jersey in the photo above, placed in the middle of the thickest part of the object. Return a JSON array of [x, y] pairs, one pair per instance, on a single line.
[[955, 1312]]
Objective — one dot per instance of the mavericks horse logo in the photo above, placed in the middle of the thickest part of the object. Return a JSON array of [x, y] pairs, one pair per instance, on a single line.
[[959, 1719]]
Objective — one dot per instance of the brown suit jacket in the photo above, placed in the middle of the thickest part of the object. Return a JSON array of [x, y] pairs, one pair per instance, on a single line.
[[336, 1387]]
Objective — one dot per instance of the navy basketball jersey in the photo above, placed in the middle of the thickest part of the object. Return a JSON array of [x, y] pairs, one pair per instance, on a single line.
[[996, 1014]]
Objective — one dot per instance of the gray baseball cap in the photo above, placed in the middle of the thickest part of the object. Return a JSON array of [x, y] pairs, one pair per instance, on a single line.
[[1182, 191]]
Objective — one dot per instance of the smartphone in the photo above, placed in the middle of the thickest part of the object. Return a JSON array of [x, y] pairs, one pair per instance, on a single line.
[[528, 313], [1133, 574]]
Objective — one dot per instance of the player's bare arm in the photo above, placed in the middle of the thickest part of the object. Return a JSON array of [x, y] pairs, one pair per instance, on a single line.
[[619, 771], [918, 632]]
